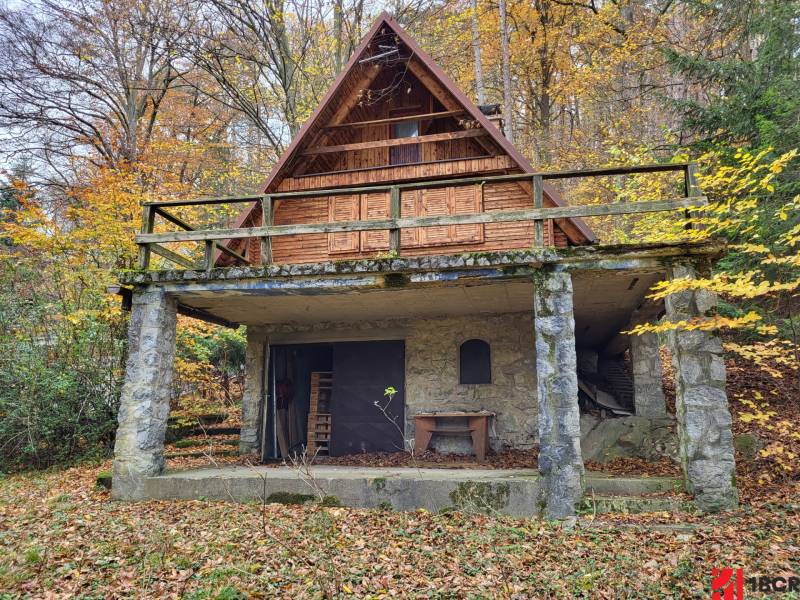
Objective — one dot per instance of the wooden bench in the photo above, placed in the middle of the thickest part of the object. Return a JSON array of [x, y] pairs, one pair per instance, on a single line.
[[477, 428]]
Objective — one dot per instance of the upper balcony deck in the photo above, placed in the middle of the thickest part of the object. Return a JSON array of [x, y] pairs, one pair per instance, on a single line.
[[407, 219]]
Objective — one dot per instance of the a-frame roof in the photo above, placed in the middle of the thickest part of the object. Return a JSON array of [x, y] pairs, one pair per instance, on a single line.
[[339, 99]]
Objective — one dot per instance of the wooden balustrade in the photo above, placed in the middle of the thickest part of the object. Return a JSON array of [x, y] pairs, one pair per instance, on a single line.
[[150, 242]]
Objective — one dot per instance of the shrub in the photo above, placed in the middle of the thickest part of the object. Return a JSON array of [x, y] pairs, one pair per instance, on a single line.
[[60, 381]]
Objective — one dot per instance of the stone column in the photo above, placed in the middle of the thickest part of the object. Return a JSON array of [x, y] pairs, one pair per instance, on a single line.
[[560, 460], [704, 421], [648, 393], [144, 403], [254, 372]]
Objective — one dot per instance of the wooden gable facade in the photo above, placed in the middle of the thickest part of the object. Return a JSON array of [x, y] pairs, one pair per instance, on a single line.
[[392, 116]]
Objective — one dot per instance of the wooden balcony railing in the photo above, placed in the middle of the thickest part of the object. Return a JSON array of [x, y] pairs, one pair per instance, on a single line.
[[150, 242]]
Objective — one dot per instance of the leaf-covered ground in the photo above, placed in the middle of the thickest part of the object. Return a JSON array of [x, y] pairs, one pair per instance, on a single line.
[[62, 537]]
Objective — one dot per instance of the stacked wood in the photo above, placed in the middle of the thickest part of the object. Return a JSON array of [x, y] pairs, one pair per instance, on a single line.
[[319, 417]]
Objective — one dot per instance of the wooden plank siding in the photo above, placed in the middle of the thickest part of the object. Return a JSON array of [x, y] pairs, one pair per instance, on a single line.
[[425, 170], [425, 241]]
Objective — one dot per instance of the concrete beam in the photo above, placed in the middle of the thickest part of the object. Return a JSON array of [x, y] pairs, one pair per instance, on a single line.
[[648, 257]]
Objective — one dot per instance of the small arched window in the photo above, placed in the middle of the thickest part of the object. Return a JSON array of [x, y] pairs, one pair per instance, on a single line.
[[475, 362]]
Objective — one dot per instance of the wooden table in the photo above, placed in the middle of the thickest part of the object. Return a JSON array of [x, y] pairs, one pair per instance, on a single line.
[[477, 427]]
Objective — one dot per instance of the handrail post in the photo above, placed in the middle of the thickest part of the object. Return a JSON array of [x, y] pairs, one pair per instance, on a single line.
[[148, 220], [208, 257], [538, 203], [691, 190], [266, 221], [688, 180], [394, 210]]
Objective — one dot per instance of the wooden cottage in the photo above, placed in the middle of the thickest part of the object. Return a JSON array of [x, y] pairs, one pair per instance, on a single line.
[[402, 243]]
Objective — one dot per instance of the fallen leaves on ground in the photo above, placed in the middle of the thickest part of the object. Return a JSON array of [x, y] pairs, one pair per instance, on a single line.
[[636, 466], [505, 459], [60, 536], [63, 537]]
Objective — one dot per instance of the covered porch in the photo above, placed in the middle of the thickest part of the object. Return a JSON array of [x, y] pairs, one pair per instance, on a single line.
[[553, 307]]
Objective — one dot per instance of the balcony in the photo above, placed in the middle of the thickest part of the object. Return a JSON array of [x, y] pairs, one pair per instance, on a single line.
[[389, 230]]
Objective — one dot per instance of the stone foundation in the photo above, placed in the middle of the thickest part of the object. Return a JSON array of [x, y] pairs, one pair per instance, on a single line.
[[646, 438], [144, 403]]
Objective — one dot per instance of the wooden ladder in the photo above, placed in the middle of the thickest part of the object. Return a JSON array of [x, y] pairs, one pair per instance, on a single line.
[[319, 423]]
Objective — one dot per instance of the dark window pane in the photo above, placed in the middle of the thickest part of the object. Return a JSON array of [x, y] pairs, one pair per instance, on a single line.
[[409, 153], [475, 362], [406, 130]]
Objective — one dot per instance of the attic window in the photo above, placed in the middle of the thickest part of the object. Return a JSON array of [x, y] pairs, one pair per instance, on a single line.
[[475, 362], [407, 153]]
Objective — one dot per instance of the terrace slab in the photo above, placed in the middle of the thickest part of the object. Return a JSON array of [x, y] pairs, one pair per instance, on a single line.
[[512, 492]]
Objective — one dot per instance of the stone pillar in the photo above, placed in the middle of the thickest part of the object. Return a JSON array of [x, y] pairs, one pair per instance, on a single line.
[[704, 421], [144, 403], [648, 393], [254, 372], [560, 459]]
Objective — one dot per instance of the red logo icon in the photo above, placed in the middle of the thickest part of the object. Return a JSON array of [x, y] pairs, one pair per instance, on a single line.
[[727, 584]]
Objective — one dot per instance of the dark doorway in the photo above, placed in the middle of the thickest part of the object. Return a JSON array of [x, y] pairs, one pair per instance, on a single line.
[[289, 389], [361, 373]]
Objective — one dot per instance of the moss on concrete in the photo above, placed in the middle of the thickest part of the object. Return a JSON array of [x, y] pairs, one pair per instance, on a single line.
[[290, 498], [480, 496]]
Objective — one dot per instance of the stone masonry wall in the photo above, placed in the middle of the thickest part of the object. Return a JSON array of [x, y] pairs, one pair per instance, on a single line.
[[432, 378], [144, 403], [255, 360], [704, 420], [648, 393], [560, 459], [432, 362]]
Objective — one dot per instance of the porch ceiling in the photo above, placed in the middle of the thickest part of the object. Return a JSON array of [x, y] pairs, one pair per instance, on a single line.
[[603, 300]]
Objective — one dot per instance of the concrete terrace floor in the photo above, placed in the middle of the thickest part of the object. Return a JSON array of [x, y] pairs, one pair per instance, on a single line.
[[513, 492]]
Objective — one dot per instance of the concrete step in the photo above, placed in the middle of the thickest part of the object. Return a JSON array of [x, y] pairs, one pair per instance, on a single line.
[[512, 492], [610, 485], [196, 453], [604, 505], [203, 442], [211, 431]]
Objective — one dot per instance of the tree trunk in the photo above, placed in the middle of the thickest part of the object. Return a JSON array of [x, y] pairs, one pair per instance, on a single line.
[[338, 33], [507, 109], [476, 49]]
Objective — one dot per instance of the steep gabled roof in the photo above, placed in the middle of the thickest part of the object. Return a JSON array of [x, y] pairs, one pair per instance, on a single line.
[[576, 229]]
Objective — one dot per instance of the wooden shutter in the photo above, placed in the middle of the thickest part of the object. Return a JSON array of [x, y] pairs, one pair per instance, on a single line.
[[343, 208], [375, 206], [467, 200], [461, 200], [409, 207], [435, 202]]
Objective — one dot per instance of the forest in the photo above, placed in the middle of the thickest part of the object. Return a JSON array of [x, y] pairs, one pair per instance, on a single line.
[[105, 104]]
